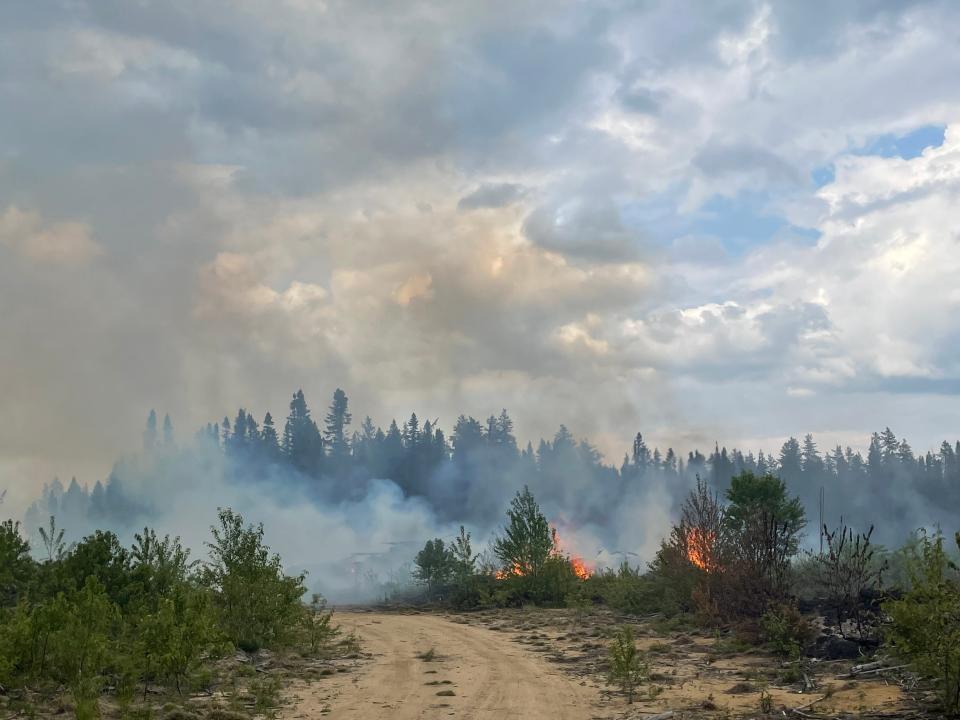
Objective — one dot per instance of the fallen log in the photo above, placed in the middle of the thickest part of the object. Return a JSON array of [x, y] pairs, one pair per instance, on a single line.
[[871, 671], [812, 702]]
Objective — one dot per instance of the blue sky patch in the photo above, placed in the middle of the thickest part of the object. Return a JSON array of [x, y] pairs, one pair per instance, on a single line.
[[823, 175], [907, 146], [745, 221]]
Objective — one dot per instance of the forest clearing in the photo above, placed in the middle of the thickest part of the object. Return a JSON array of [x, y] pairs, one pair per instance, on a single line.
[[540, 663]]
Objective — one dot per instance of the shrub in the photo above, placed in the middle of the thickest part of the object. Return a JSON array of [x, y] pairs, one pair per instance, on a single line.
[[320, 630], [434, 565], [765, 524], [627, 667], [259, 606], [527, 540], [849, 569], [16, 566], [81, 645], [579, 601], [99, 555], [786, 631], [630, 591], [925, 622]]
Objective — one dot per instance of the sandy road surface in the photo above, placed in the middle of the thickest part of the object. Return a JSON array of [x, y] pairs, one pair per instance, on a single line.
[[490, 676]]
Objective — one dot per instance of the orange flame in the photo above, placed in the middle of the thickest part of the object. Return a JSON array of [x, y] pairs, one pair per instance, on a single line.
[[700, 546], [515, 571], [580, 567]]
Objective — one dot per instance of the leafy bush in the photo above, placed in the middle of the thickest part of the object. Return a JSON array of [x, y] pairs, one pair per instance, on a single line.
[[527, 540], [629, 591], [925, 622], [434, 565], [259, 606], [627, 666], [318, 621], [765, 524], [16, 566], [98, 615], [786, 631]]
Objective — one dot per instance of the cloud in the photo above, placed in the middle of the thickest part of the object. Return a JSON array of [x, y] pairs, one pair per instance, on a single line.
[[492, 195], [63, 243], [452, 208], [584, 228]]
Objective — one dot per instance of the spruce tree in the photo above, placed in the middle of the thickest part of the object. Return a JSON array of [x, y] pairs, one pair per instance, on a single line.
[[336, 422], [150, 432]]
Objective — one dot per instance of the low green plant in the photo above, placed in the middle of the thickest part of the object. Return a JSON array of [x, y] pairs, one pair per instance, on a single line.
[[766, 702], [580, 602], [925, 623], [786, 631], [627, 666], [266, 694], [318, 621]]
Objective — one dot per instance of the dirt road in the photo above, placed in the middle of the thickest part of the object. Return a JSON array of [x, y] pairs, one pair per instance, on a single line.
[[474, 673]]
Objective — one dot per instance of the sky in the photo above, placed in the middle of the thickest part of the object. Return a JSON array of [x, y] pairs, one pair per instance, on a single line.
[[729, 221]]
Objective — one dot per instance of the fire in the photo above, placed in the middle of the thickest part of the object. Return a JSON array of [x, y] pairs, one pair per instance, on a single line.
[[700, 549], [514, 571], [580, 567]]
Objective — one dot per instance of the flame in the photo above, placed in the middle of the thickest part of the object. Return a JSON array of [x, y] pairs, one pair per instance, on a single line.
[[580, 567], [700, 549], [515, 571]]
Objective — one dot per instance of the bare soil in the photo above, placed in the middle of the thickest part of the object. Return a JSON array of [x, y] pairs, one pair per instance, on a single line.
[[549, 664]]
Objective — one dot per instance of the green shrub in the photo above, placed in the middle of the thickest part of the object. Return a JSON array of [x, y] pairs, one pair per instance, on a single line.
[[925, 622], [259, 605], [627, 667], [16, 566], [318, 621], [786, 631], [579, 601]]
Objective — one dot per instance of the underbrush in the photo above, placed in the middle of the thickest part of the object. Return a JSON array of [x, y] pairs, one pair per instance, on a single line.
[[102, 629]]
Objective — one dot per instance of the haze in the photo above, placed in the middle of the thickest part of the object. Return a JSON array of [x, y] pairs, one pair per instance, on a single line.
[[732, 225]]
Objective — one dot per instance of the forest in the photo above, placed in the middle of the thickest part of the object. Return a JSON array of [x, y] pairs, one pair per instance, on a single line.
[[464, 475]]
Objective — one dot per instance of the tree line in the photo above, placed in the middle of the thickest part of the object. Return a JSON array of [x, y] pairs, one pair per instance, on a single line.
[[464, 474]]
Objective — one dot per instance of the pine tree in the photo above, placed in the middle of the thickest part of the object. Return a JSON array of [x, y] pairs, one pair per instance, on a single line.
[[641, 454], [505, 432], [874, 457], [167, 431], [302, 443], [336, 422], [791, 466], [670, 463], [97, 510], [810, 461], [411, 431], [150, 433], [269, 442], [889, 447]]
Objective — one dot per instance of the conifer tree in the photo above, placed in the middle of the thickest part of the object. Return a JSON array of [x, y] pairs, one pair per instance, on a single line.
[[150, 432]]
